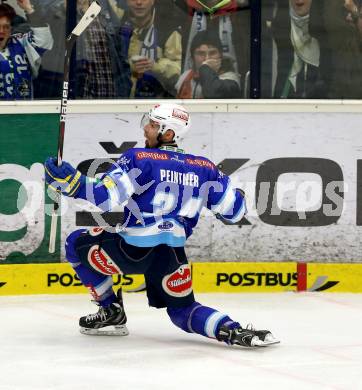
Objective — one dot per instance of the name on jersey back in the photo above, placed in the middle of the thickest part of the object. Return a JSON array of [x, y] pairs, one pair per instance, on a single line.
[[185, 179]]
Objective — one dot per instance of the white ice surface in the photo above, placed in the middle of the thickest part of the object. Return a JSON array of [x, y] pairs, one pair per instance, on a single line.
[[321, 345]]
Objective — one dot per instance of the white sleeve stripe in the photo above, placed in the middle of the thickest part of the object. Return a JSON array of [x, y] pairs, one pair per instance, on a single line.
[[239, 215], [127, 184], [212, 322], [113, 197], [226, 203]]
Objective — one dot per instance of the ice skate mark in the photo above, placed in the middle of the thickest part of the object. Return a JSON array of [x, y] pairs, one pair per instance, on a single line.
[[277, 369], [327, 298], [334, 354]]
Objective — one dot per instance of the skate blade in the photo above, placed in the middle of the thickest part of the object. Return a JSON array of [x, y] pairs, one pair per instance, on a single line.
[[269, 340], [117, 330]]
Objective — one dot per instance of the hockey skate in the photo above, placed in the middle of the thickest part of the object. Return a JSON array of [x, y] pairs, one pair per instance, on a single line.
[[248, 337], [108, 321]]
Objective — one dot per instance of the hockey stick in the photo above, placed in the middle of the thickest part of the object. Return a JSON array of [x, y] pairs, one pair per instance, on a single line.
[[84, 22]]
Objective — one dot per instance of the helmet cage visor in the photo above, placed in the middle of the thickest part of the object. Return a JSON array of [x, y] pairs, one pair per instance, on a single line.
[[144, 121]]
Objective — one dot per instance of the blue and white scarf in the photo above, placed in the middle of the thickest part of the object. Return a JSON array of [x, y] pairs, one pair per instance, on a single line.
[[199, 23], [20, 62]]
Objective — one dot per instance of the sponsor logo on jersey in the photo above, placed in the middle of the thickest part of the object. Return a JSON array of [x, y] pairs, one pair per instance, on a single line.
[[177, 158], [200, 162], [220, 174], [179, 114], [123, 161], [166, 225], [101, 262], [152, 155], [96, 231], [178, 284]]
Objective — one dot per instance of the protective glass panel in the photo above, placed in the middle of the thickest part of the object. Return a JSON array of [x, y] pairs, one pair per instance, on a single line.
[[146, 50], [216, 50], [312, 49]]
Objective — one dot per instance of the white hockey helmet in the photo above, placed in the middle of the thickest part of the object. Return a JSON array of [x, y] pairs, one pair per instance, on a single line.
[[169, 116]]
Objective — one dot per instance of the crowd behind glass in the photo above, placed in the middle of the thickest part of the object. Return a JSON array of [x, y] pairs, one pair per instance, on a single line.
[[187, 49]]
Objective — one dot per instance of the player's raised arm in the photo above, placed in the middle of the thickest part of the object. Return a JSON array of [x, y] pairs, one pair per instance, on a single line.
[[114, 188]]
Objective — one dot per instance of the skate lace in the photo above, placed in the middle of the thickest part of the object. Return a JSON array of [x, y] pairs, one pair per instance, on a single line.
[[101, 314]]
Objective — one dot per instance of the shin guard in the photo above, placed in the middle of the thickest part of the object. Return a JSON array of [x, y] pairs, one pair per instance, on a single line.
[[200, 319], [100, 286]]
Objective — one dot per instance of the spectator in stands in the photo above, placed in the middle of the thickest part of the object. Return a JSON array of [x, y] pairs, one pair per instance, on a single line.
[[102, 71], [268, 52], [343, 19], [49, 82], [229, 19], [20, 54], [298, 39], [152, 44], [212, 76], [20, 23]]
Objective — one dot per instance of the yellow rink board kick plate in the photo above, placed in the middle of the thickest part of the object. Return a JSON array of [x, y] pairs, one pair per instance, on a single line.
[[344, 277], [60, 278], [244, 277]]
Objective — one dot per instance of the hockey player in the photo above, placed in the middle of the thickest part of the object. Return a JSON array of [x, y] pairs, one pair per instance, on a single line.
[[163, 189]]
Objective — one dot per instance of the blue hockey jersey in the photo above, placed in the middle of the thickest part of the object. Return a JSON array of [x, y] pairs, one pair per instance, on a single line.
[[163, 191]]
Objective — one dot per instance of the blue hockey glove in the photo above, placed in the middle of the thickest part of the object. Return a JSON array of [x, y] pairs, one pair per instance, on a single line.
[[64, 179]]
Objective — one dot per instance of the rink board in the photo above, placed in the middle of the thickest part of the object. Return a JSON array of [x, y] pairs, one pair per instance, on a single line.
[[24, 279], [300, 167], [277, 277], [52, 279]]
